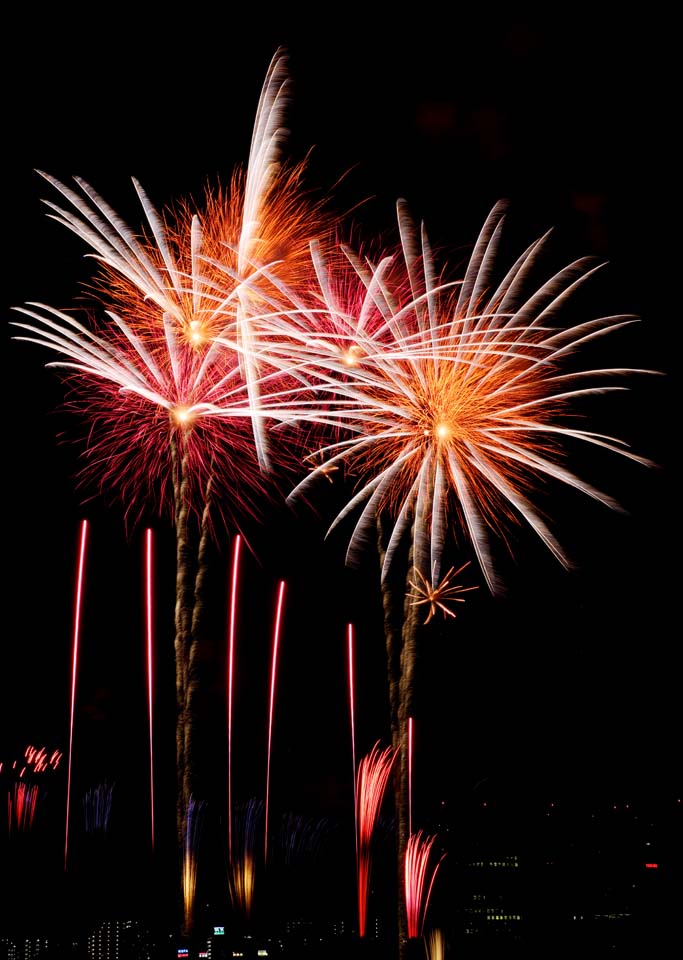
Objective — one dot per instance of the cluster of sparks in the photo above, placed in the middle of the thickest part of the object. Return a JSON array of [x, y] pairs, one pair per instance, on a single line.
[[372, 778], [420, 874], [23, 792]]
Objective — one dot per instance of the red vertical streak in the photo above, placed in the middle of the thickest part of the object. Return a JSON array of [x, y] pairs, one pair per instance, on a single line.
[[74, 665], [410, 775], [276, 640], [231, 655], [350, 636], [150, 667]]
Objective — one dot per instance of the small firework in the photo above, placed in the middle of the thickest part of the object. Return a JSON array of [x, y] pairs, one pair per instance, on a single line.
[[419, 878], [438, 595], [372, 779]]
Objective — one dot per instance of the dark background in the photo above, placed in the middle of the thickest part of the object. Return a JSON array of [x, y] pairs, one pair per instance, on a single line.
[[570, 683]]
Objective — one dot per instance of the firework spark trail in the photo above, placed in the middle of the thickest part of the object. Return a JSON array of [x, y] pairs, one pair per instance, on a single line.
[[419, 879], [149, 607], [97, 808], [38, 761], [276, 641], [372, 778], [352, 714], [21, 806], [74, 668], [301, 838], [230, 677], [410, 775], [193, 829], [435, 945], [242, 866]]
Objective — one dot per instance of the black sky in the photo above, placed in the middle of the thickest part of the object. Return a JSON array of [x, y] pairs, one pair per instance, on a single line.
[[571, 679]]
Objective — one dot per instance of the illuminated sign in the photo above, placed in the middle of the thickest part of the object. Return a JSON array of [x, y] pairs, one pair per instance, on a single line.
[[652, 866], [218, 931], [183, 952]]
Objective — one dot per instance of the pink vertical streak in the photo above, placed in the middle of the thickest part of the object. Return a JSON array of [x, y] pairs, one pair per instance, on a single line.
[[276, 640], [231, 657], [410, 775], [352, 712], [74, 665], [149, 606]]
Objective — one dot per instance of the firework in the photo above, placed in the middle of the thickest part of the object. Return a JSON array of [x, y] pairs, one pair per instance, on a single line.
[[149, 608], [169, 370], [242, 867], [74, 671], [435, 945], [97, 809], [372, 779], [229, 674], [193, 827], [460, 398], [420, 874], [276, 641], [21, 806], [462, 404]]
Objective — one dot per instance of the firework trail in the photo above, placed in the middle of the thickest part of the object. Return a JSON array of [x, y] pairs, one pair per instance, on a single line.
[[74, 668], [372, 778], [410, 775], [276, 642], [21, 806], [435, 945], [301, 838], [23, 794], [230, 678], [242, 866], [97, 809], [149, 608], [193, 828], [352, 714], [419, 880]]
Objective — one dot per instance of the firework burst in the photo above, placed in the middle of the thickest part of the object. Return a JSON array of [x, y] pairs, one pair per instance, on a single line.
[[462, 400], [372, 778], [459, 402], [420, 874]]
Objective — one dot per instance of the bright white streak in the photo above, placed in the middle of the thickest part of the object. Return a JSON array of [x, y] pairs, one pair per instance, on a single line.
[[74, 664], [149, 605], [350, 635], [231, 654], [276, 640]]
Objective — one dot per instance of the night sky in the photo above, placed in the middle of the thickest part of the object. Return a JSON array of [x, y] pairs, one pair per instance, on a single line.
[[570, 682]]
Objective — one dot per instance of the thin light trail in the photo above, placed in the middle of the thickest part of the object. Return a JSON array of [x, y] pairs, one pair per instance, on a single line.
[[410, 775], [352, 712], [149, 606], [74, 668], [276, 641], [231, 660]]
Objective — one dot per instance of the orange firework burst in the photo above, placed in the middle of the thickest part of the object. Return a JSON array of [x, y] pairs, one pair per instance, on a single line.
[[439, 596], [463, 402]]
